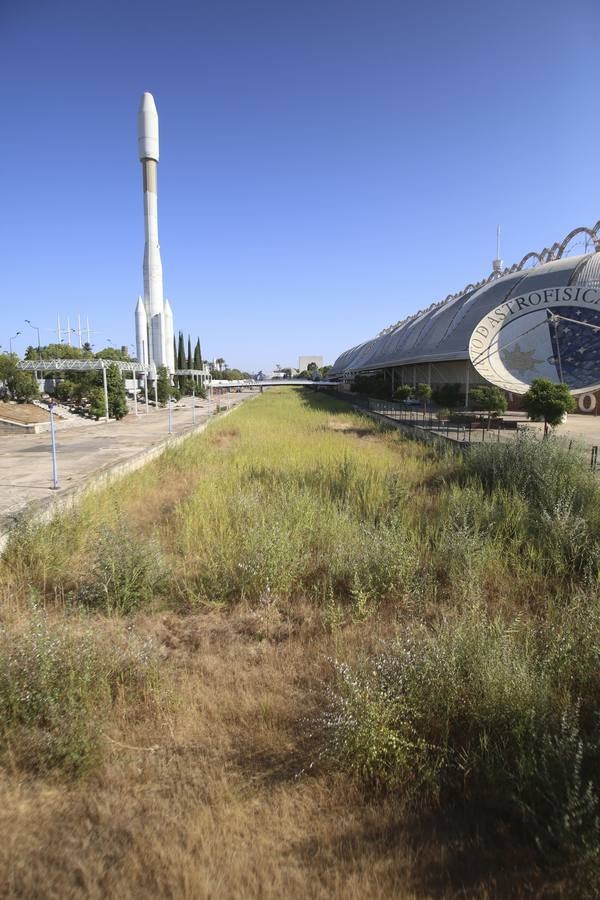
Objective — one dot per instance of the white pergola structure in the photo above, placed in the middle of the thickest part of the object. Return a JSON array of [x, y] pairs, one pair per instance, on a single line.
[[137, 369]]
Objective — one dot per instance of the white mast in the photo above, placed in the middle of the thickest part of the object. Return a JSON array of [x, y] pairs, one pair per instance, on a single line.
[[497, 264]]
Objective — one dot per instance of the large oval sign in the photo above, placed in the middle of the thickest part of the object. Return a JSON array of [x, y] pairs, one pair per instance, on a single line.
[[551, 333]]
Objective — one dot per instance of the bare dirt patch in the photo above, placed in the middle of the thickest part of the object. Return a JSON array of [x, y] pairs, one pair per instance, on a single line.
[[23, 413], [224, 438], [349, 428]]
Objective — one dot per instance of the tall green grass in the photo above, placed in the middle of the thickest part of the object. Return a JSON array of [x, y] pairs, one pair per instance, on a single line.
[[288, 497]]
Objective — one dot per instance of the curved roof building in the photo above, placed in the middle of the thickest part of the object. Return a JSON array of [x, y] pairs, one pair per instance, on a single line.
[[441, 334]]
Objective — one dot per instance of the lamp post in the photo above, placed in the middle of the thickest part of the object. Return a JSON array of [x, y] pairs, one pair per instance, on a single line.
[[11, 339], [35, 328], [55, 484]]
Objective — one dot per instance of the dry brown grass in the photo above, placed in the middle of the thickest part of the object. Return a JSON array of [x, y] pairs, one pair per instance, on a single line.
[[24, 413], [207, 792]]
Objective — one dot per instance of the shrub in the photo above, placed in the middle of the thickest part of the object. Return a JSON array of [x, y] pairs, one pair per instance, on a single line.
[[56, 692], [128, 572], [561, 493], [477, 710]]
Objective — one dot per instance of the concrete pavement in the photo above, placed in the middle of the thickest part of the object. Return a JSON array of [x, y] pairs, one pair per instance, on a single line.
[[84, 453]]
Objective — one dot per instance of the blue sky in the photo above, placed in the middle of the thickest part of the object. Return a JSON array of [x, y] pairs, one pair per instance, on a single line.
[[327, 167]]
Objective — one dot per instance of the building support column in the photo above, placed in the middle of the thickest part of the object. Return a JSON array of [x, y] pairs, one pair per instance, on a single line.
[[467, 383]]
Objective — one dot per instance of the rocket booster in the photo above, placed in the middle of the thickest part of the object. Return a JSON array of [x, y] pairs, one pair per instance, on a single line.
[[168, 321], [148, 150], [141, 332]]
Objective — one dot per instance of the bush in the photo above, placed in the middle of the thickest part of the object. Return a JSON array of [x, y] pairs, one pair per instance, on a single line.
[[548, 401], [561, 493], [56, 692], [128, 573], [479, 710]]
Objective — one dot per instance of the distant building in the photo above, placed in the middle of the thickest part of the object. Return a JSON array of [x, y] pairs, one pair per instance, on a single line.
[[305, 361], [528, 321]]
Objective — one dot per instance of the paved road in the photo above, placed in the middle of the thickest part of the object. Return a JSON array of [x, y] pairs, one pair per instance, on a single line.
[[26, 461]]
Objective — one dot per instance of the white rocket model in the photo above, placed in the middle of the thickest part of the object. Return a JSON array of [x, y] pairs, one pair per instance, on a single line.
[[153, 316]]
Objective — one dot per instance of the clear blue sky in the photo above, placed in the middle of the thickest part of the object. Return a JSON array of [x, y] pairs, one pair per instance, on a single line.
[[327, 166]]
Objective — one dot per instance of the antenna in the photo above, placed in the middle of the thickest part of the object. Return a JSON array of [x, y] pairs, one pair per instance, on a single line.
[[497, 264]]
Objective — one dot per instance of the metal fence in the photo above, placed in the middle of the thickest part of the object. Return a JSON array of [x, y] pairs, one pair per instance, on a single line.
[[474, 431]]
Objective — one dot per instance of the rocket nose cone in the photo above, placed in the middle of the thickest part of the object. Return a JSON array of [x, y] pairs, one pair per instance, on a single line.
[[148, 128], [147, 103]]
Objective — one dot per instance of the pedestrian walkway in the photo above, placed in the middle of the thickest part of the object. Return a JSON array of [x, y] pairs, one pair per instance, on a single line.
[[86, 451]]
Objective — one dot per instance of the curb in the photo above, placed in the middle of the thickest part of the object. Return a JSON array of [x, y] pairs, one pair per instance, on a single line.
[[44, 510]]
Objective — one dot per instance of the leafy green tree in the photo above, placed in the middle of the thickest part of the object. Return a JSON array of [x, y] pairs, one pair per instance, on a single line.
[[92, 391], [424, 393], [23, 387], [58, 351], [65, 390], [95, 397], [403, 392], [117, 399], [8, 368], [548, 401], [163, 385], [488, 398], [113, 353]]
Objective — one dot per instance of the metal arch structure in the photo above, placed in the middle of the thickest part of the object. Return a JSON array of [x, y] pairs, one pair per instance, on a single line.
[[85, 365], [548, 254]]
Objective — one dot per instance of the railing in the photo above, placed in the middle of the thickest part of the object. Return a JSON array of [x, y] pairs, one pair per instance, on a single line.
[[461, 433]]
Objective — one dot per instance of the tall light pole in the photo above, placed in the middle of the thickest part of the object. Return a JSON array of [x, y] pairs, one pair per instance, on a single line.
[[35, 328], [11, 339]]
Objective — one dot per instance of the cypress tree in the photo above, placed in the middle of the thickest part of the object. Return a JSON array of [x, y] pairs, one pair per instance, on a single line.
[[197, 355], [180, 360], [181, 352], [189, 354]]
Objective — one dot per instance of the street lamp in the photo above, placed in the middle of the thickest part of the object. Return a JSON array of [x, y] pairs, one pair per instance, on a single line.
[[35, 328], [11, 339]]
